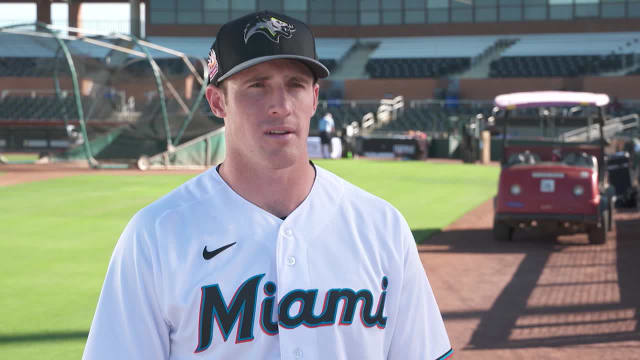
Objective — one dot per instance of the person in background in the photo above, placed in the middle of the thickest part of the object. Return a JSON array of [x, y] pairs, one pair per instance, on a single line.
[[326, 125]]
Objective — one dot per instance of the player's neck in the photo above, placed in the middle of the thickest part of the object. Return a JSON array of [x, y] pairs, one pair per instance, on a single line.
[[278, 191]]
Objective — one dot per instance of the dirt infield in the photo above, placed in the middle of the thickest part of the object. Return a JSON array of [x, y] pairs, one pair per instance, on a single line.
[[537, 299], [22, 173], [527, 299]]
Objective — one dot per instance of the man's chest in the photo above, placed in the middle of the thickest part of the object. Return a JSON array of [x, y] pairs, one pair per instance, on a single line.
[[295, 292]]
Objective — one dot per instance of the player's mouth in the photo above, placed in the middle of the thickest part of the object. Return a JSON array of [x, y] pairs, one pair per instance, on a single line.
[[280, 133]]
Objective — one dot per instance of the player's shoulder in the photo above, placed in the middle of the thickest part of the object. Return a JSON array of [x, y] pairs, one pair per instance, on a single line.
[[345, 203], [355, 196], [192, 192]]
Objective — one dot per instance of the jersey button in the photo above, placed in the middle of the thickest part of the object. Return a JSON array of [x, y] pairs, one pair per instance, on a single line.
[[291, 261], [297, 353], [288, 233]]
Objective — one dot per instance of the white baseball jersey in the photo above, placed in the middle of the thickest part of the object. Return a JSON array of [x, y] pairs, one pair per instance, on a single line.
[[204, 274]]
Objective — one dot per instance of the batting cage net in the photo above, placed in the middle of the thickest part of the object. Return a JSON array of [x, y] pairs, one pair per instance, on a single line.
[[112, 100]]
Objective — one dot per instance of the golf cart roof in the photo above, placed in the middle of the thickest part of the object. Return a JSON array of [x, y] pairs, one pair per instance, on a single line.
[[549, 98]]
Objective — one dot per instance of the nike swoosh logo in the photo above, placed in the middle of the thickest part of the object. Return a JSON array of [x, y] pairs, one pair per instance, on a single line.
[[210, 254]]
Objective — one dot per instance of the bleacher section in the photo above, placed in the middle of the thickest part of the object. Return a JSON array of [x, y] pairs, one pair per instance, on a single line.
[[419, 57], [169, 67], [433, 118], [30, 67], [415, 68], [26, 108], [544, 66], [343, 113], [44, 67], [430, 117], [418, 119], [147, 136], [570, 54]]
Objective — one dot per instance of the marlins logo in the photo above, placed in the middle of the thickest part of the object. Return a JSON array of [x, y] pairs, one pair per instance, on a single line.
[[271, 27], [212, 63]]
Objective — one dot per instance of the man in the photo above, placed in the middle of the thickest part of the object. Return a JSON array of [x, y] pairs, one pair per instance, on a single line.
[[266, 256], [326, 125]]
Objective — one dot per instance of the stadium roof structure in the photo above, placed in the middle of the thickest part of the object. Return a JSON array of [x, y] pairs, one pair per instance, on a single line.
[[446, 46], [197, 46], [522, 100], [190, 45], [574, 44]]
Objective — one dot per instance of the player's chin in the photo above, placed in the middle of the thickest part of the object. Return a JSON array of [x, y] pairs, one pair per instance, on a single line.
[[287, 157]]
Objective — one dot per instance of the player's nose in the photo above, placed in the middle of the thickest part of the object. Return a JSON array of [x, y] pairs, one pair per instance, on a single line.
[[280, 101]]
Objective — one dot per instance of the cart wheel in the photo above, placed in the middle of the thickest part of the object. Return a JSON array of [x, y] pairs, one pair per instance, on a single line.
[[598, 233], [502, 231], [143, 162]]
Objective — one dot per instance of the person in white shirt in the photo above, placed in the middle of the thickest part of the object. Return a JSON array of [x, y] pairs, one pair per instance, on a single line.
[[326, 126], [266, 256]]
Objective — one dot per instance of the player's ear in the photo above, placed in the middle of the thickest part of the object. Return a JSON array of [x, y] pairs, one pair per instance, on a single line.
[[215, 97], [316, 91]]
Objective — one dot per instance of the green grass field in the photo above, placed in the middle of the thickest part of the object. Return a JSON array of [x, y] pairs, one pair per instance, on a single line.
[[20, 158], [429, 195], [57, 238]]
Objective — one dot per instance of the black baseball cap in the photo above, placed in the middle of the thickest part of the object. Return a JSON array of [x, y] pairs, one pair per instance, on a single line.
[[259, 37]]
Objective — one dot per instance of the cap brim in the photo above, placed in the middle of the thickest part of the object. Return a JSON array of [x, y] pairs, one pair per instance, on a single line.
[[319, 70]]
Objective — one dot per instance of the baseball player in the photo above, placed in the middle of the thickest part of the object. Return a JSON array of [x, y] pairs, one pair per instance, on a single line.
[[266, 256]]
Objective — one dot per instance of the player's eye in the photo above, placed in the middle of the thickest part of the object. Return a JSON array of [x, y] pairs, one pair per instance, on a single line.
[[298, 84], [256, 85]]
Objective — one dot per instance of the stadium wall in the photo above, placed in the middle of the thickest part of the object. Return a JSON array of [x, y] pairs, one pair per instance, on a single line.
[[133, 87], [623, 87], [367, 89]]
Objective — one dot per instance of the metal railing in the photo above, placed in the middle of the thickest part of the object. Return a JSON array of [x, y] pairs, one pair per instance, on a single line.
[[611, 128]]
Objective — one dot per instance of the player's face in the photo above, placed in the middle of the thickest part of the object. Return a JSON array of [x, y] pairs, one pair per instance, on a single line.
[[267, 109]]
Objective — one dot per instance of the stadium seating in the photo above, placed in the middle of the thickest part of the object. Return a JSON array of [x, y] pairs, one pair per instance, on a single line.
[[574, 44], [29, 67], [26, 108], [427, 118], [415, 68], [432, 118], [36, 108], [343, 113], [543, 66], [419, 57], [543, 55]]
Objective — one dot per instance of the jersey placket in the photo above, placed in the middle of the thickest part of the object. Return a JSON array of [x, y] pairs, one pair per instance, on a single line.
[[293, 274]]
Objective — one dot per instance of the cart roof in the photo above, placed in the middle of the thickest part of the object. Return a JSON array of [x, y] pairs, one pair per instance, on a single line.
[[549, 98]]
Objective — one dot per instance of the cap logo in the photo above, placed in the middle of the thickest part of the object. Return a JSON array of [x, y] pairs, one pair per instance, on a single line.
[[212, 63], [270, 26]]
